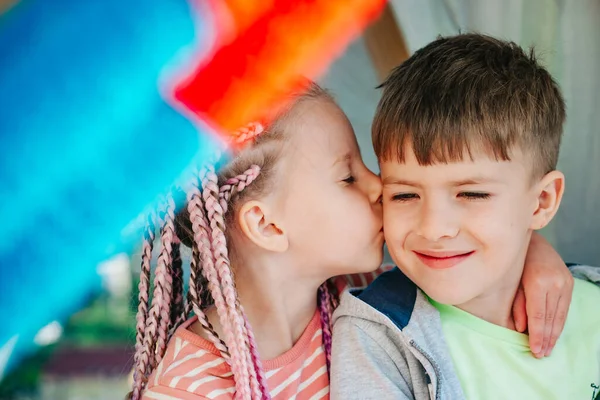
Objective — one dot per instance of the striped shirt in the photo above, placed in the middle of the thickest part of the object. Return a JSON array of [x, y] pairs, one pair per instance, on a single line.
[[193, 368]]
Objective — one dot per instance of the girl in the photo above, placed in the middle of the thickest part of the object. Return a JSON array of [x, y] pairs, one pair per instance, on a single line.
[[295, 207]]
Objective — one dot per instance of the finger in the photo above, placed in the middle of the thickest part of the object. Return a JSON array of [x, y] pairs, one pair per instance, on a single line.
[[560, 316], [519, 311], [562, 309], [551, 306], [536, 318]]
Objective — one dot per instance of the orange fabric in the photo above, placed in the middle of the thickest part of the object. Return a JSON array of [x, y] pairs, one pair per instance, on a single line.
[[193, 368]]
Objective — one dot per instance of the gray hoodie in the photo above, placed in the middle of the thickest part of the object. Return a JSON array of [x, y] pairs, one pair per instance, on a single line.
[[388, 343]]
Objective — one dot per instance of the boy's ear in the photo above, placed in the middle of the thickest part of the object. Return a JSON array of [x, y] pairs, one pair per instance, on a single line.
[[257, 224], [550, 191]]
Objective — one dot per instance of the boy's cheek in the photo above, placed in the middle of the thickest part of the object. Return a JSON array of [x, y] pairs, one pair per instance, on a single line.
[[394, 248], [395, 227]]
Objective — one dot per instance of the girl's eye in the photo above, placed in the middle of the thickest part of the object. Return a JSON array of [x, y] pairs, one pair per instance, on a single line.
[[474, 195], [402, 197], [349, 180]]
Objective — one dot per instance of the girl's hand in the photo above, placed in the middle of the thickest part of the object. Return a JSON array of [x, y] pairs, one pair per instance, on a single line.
[[542, 301]]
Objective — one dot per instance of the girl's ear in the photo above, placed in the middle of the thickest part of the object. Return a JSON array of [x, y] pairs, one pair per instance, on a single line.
[[257, 224]]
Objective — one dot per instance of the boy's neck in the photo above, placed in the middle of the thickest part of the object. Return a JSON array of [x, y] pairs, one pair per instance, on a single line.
[[496, 304]]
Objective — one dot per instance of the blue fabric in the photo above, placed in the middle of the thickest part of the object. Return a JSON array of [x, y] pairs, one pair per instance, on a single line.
[[392, 294], [87, 142]]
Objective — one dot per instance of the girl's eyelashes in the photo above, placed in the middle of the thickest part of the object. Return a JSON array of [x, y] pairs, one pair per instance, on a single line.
[[349, 180]]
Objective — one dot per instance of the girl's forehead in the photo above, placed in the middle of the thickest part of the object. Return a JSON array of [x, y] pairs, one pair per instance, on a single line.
[[322, 128]]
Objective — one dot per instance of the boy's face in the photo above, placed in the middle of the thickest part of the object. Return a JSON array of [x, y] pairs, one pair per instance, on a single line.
[[461, 230]]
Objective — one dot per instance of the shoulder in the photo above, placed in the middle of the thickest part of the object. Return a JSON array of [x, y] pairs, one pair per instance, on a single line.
[[192, 365], [583, 316], [585, 272], [378, 313], [586, 294], [164, 392], [391, 296]]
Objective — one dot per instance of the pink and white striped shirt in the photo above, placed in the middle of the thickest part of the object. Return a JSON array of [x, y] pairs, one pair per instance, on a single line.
[[193, 368]]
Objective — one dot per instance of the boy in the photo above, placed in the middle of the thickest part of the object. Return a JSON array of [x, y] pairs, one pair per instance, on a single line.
[[467, 135]]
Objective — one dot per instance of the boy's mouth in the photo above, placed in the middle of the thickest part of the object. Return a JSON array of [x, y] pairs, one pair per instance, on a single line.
[[442, 259]]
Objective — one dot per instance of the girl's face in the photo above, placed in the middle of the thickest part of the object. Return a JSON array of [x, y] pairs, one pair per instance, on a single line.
[[330, 202]]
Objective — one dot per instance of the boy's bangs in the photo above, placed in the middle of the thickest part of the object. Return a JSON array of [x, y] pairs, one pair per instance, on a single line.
[[443, 142]]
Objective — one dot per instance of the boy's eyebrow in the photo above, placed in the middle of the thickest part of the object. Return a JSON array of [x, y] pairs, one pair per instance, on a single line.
[[390, 180], [474, 181]]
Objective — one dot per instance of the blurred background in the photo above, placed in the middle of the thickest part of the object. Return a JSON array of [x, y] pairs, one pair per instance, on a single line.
[[88, 354], [566, 36]]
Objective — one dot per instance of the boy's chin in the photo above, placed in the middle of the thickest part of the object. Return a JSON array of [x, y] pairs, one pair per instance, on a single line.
[[453, 297]]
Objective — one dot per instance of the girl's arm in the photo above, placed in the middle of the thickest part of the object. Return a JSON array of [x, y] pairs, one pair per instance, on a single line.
[[543, 300]]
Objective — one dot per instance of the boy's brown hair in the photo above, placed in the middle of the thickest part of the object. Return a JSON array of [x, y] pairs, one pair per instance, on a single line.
[[469, 92]]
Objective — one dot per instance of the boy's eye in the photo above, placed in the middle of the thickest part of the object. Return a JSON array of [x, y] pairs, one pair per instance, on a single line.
[[349, 180], [404, 197], [474, 195]]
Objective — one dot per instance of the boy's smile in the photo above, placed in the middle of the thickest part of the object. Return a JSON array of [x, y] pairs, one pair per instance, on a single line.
[[442, 259], [460, 230]]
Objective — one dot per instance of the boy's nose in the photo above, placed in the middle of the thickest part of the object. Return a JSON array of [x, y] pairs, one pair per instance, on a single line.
[[437, 222]]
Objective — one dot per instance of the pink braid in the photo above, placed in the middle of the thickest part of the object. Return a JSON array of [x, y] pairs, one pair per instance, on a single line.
[[162, 285], [232, 187], [201, 238], [255, 358], [333, 292], [197, 305], [179, 306], [236, 184], [247, 133], [255, 385], [158, 322], [234, 325], [141, 362], [164, 275], [326, 312]]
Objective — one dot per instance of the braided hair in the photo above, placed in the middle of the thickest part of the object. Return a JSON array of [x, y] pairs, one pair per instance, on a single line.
[[202, 224]]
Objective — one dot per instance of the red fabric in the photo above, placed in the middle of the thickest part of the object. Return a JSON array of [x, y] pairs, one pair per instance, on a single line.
[[262, 50]]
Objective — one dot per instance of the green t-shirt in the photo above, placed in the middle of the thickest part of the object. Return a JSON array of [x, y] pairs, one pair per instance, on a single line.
[[493, 362]]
